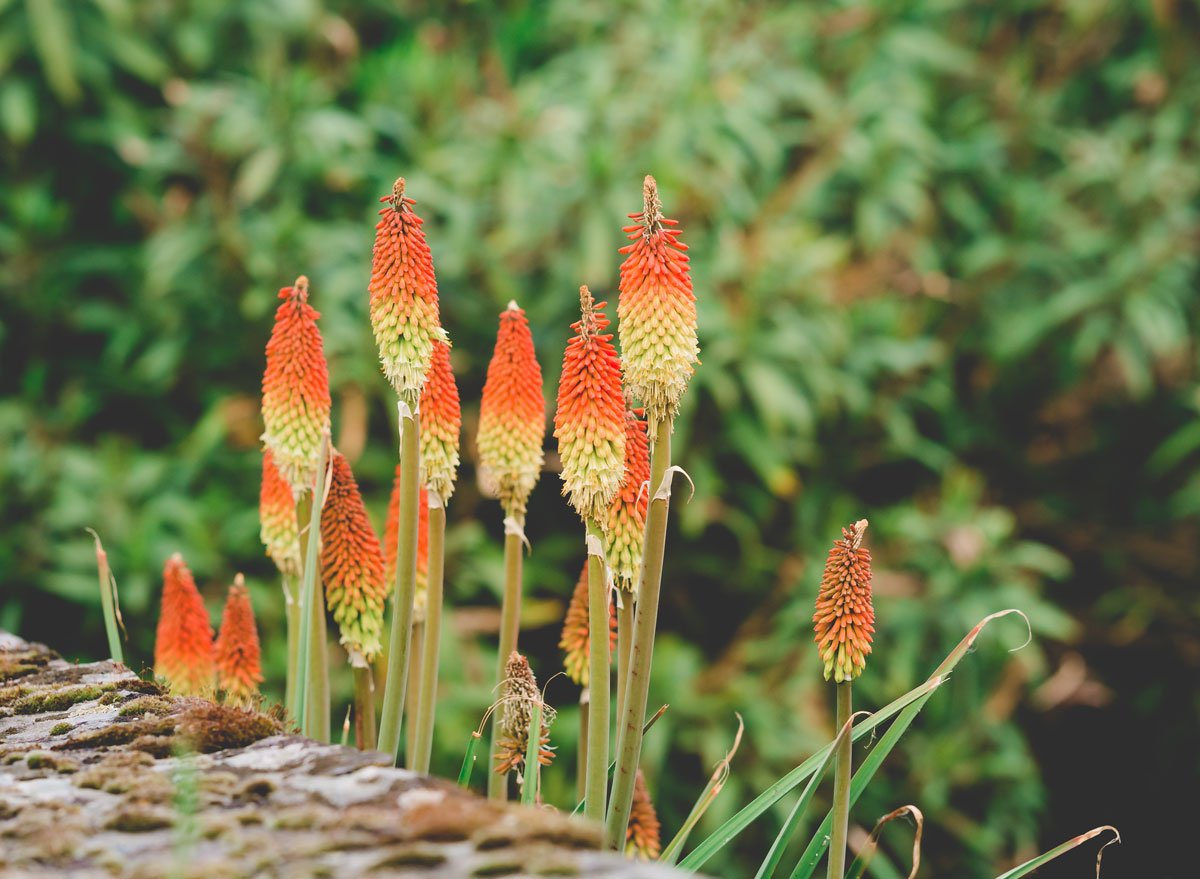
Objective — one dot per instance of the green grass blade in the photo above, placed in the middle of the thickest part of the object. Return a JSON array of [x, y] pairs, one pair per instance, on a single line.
[[468, 764], [739, 822], [1029, 866], [108, 601], [859, 867], [715, 783], [533, 765], [771, 861]]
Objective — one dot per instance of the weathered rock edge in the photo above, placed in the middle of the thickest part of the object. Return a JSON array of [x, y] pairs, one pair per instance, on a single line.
[[92, 784]]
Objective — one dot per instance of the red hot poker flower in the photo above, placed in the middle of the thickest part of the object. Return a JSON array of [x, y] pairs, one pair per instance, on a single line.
[[574, 640], [441, 424], [295, 404], [657, 310], [183, 646], [845, 620], [352, 565], [643, 835], [239, 666], [391, 545], [512, 417], [277, 518], [590, 421], [404, 297], [627, 512]]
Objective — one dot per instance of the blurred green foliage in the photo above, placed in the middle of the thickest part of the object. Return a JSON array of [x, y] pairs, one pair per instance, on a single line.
[[946, 260]]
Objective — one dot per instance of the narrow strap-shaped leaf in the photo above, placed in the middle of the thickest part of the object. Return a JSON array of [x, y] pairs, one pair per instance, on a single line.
[[1029, 866], [468, 764], [715, 783], [867, 852], [533, 767]]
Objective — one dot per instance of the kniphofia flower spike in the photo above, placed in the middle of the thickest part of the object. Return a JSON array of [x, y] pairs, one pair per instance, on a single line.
[[239, 660], [643, 836], [845, 619], [520, 691], [627, 512], [277, 518], [441, 424], [183, 645]]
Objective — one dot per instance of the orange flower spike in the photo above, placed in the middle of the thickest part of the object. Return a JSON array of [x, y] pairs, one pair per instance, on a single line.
[[441, 424], [845, 620], [643, 836], [574, 640], [404, 296], [183, 646], [512, 417], [391, 540], [239, 658], [656, 310], [590, 421], [277, 517], [352, 565], [627, 512], [295, 386]]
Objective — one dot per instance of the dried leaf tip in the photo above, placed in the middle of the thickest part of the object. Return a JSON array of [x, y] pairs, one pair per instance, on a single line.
[[844, 620], [298, 292]]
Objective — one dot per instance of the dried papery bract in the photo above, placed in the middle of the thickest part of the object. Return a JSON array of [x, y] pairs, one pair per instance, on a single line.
[[238, 655], [589, 422], [352, 565], [277, 519], [574, 639], [295, 403], [404, 296], [643, 836], [519, 693], [441, 424], [845, 618], [512, 417], [183, 647], [627, 512], [656, 309]]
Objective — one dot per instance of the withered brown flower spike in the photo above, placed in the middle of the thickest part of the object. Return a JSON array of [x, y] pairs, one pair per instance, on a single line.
[[520, 692]]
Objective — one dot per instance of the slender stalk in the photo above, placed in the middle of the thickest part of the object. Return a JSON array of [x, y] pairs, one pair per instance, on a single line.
[[308, 651], [841, 788], [108, 601], [318, 674], [585, 707], [406, 586], [533, 763], [625, 612], [641, 649], [291, 597], [427, 704], [364, 707], [510, 625], [596, 788], [416, 650], [468, 764]]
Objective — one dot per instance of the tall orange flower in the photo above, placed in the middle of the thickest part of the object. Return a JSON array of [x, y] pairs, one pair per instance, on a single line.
[[391, 543], [845, 620], [295, 386], [643, 835], [277, 518], [512, 416], [239, 666], [590, 421], [627, 512], [574, 640], [441, 424], [352, 565], [183, 646], [404, 296], [656, 309]]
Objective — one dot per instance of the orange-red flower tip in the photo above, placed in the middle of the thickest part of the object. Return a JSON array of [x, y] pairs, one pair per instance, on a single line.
[[627, 512], [277, 518], [590, 420], [238, 656], [441, 424], [352, 564], [404, 296], [295, 388], [574, 641], [183, 646], [845, 619], [656, 310], [643, 835], [512, 416]]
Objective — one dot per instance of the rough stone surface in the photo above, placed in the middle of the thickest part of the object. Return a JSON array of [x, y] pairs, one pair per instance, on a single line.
[[104, 775]]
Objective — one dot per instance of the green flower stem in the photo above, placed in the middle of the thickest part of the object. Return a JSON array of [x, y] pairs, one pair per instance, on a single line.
[[413, 695], [641, 649], [841, 787], [318, 676], [596, 787], [625, 612], [364, 707], [585, 707], [291, 597], [427, 703], [510, 624], [533, 763], [400, 640], [308, 663]]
